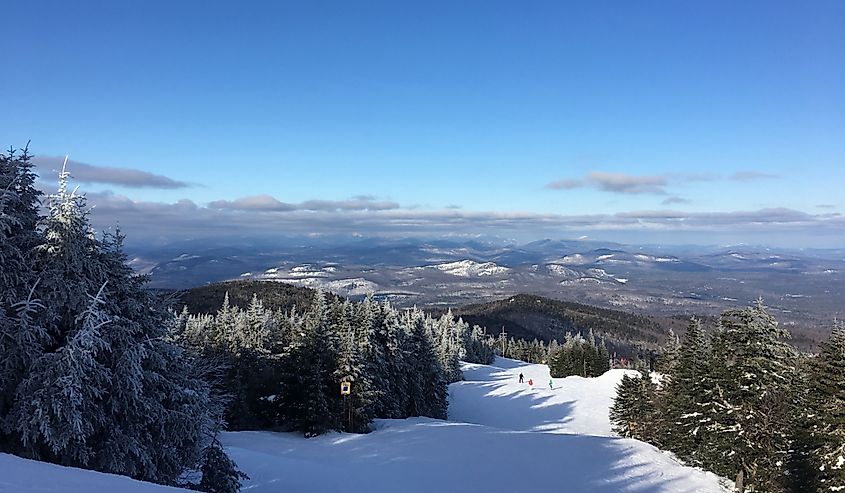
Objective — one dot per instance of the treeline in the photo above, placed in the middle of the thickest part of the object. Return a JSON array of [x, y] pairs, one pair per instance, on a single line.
[[285, 368], [745, 404], [89, 376], [276, 296], [578, 355], [528, 316]]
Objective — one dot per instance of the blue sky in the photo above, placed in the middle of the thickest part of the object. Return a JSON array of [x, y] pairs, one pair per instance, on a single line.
[[539, 110]]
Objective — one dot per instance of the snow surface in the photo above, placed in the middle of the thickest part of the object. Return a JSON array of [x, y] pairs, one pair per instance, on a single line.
[[28, 476], [502, 436], [560, 270]]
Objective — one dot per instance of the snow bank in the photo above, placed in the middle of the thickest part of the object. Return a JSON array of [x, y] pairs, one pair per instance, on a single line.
[[29, 476]]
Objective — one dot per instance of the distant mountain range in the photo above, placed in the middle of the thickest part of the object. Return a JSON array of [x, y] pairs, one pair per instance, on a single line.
[[805, 289]]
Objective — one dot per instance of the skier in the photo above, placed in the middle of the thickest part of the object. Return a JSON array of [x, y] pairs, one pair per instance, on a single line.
[[551, 384], [530, 382], [520, 378]]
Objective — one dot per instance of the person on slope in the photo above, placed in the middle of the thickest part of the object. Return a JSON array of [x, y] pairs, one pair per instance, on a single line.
[[551, 384], [530, 382], [521, 378]]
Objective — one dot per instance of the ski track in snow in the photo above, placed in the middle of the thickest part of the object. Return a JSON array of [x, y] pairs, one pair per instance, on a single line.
[[502, 436]]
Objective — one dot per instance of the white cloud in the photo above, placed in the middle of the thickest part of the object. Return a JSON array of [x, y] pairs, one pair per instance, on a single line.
[[49, 166]]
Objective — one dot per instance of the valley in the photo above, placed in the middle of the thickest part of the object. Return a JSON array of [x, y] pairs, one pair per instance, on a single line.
[[802, 288]]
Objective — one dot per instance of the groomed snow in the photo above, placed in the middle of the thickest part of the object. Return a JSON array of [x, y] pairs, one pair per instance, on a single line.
[[502, 436], [28, 476]]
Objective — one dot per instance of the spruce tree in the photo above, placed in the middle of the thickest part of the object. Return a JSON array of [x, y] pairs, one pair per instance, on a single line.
[[358, 406], [22, 335], [219, 473], [426, 380], [106, 389], [751, 409], [310, 396], [686, 397], [825, 413], [60, 401], [632, 413], [669, 353]]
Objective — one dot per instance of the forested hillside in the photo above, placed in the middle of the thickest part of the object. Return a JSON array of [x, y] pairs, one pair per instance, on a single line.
[[530, 317], [273, 295]]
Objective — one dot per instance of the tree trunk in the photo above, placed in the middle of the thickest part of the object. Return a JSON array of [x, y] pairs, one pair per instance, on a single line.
[[740, 488]]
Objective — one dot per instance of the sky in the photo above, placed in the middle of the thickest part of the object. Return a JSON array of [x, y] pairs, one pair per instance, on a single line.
[[677, 122]]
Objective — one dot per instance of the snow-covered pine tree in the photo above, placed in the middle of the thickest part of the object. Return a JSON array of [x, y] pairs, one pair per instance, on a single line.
[[825, 413], [58, 407], [21, 334], [601, 362], [369, 320], [393, 377], [632, 412], [448, 335], [258, 328], [20, 337], [109, 391], [358, 407], [480, 347], [228, 323], [67, 262], [686, 397], [310, 400], [219, 473], [427, 388], [247, 338], [750, 410], [668, 358], [21, 203]]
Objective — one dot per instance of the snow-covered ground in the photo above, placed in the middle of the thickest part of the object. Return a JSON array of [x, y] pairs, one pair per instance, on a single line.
[[502, 436], [28, 476]]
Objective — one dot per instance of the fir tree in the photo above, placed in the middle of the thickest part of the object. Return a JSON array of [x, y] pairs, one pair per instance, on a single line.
[[686, 396], [59, 401], [219, 473], [632, 413], [669, 354], [427, 392], [359, 405], [310, 394], [751, 400], [825, 413], [22, 334], [106, 389]]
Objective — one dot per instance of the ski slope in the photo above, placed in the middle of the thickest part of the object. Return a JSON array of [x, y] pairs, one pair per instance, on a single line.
[[502, 436], [29, 476]]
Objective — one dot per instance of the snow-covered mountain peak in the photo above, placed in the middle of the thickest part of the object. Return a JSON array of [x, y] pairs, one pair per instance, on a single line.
[[471, 268]]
